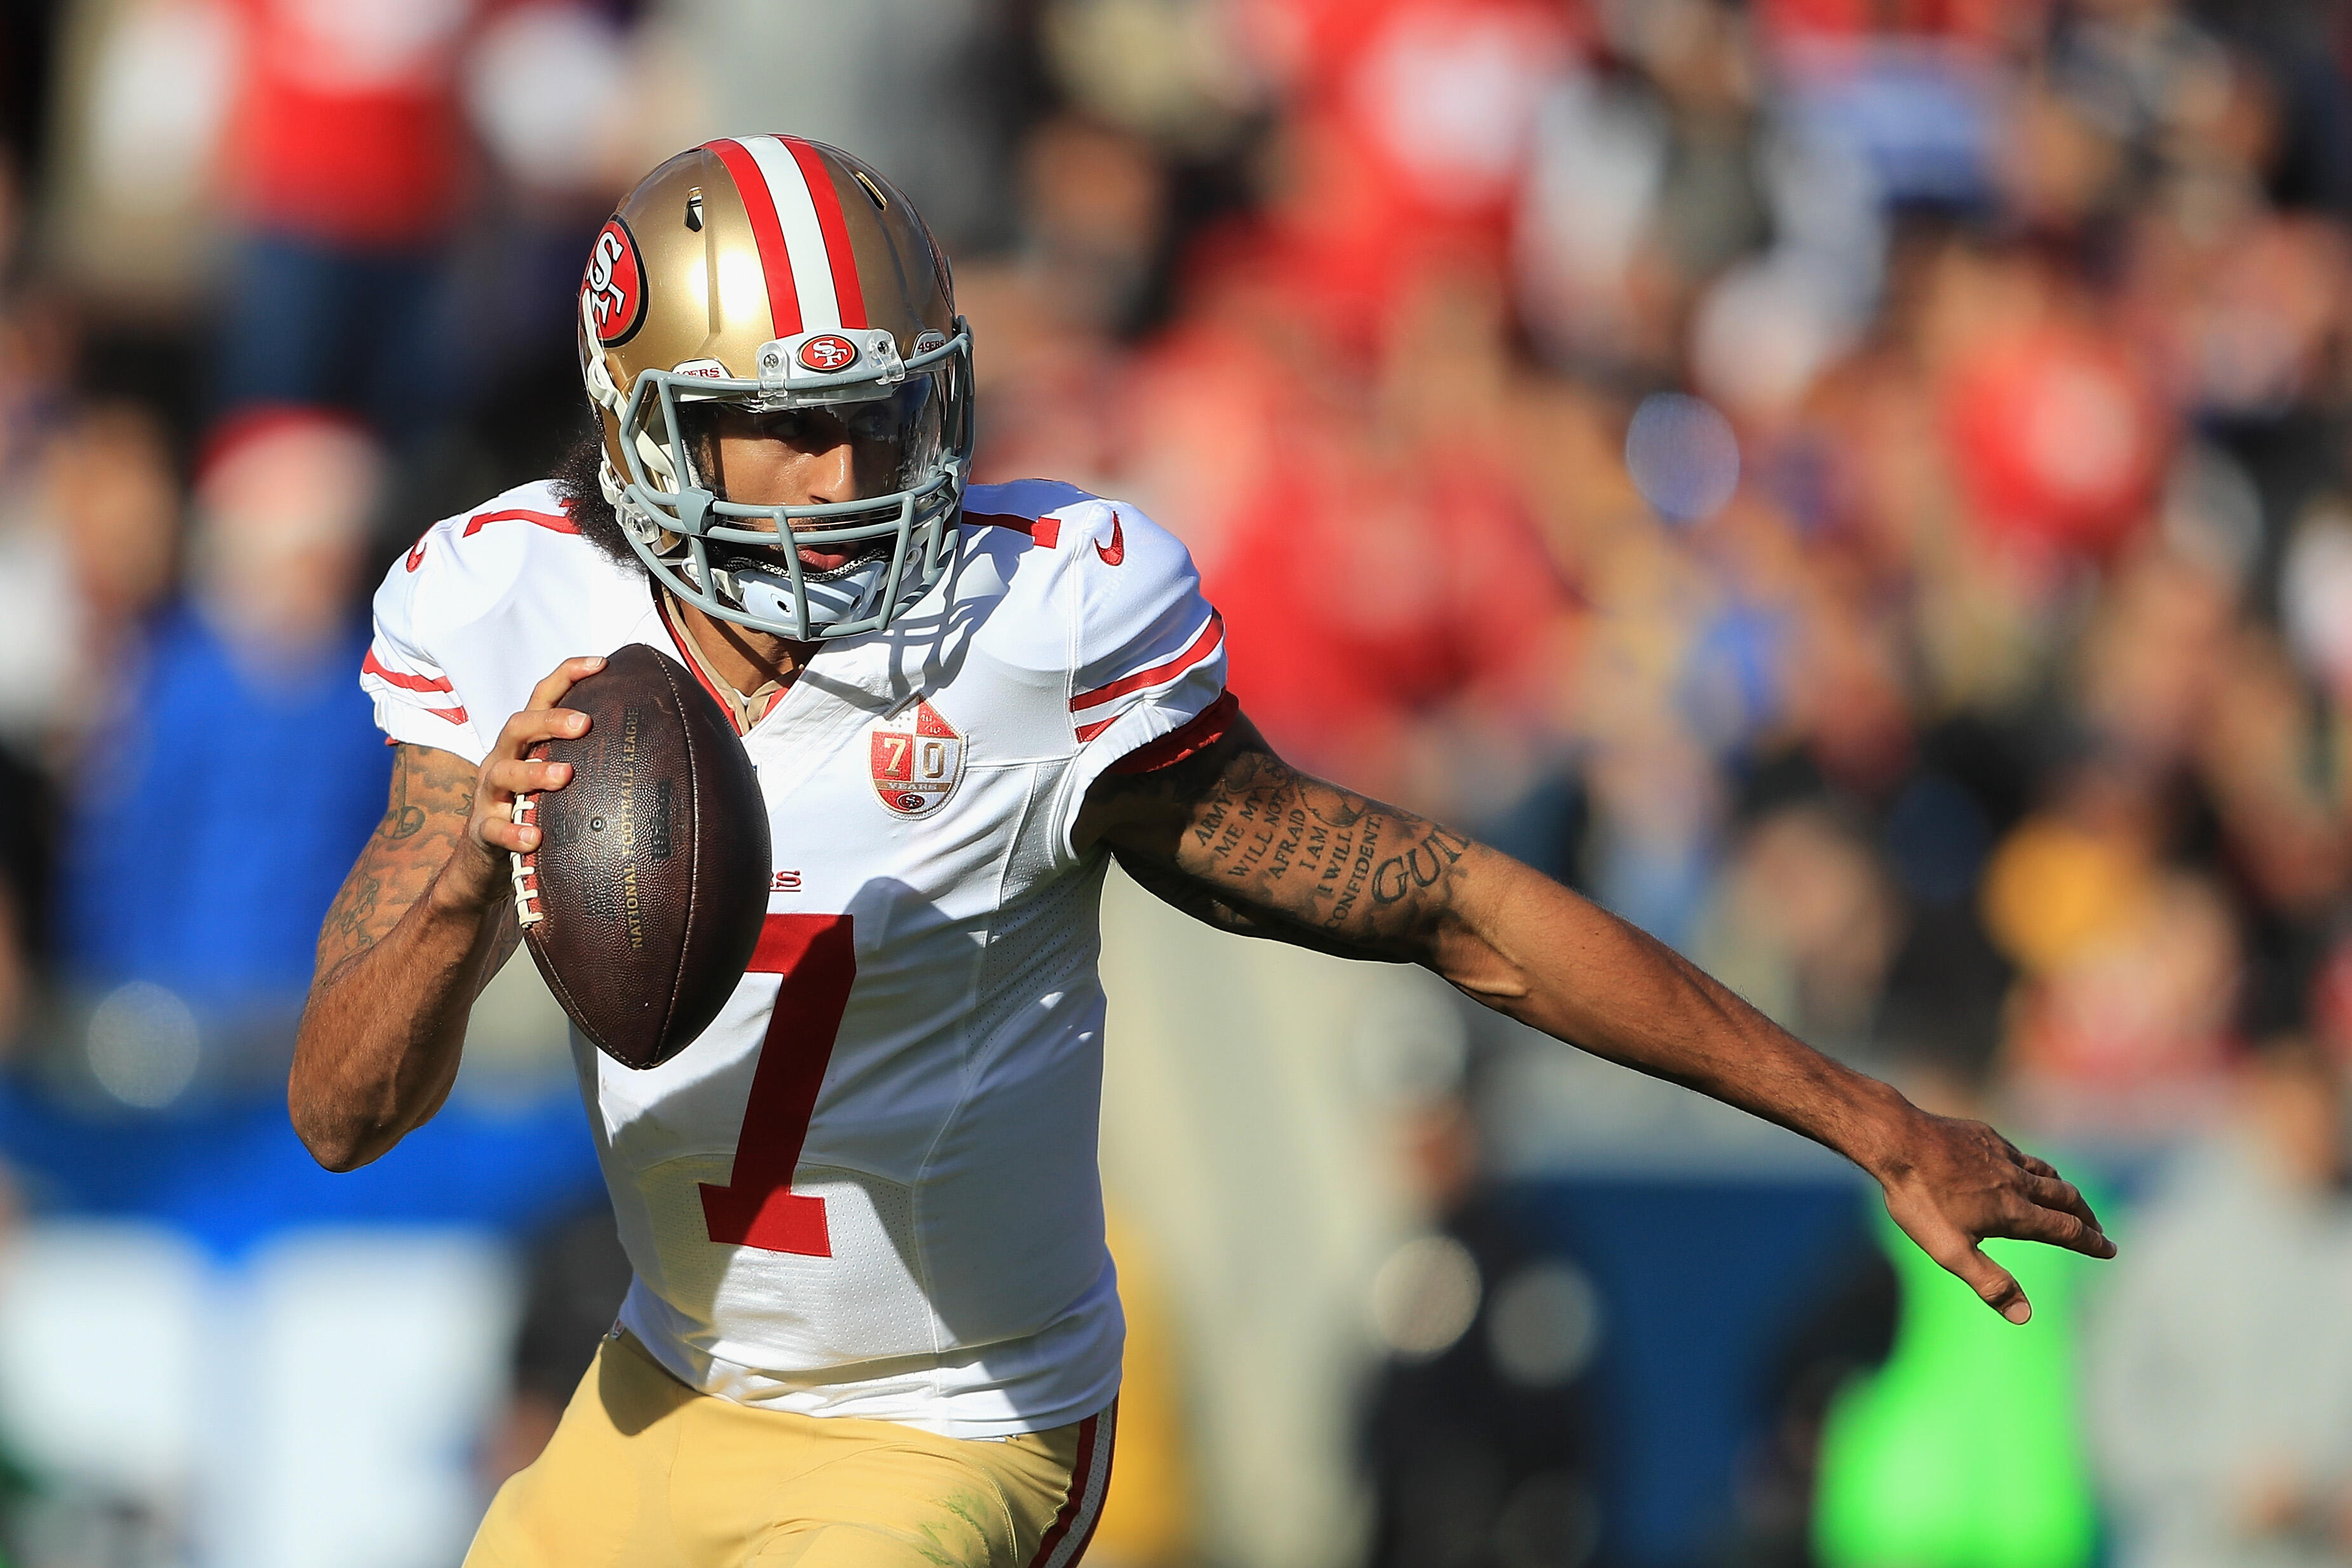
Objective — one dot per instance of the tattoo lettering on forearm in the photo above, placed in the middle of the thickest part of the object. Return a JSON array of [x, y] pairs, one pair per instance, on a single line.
[[1350, 867], [1422, 866], [1298, 836], [1267, 850]]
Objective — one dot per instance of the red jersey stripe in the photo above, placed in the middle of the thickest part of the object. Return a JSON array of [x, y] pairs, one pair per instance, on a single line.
[[838, 256], [557, 522], [1200, 648], [371, 665], [1198, 733], [1044, 531], [775, 261]]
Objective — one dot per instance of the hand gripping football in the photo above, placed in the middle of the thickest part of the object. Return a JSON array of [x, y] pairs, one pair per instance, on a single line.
[[643, 900]]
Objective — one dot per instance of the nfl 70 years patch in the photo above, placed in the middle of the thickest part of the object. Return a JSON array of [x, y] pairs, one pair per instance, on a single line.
[[917, 758]]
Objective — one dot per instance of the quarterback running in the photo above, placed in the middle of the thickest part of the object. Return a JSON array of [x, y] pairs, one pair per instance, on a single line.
[[872, 1320]]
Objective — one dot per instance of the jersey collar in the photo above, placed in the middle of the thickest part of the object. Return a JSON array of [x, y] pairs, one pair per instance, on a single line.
[[870, 674], [744, 710]]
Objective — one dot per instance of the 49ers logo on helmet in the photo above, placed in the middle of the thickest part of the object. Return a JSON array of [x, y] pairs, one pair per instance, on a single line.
[[828, 351], [615, 285]]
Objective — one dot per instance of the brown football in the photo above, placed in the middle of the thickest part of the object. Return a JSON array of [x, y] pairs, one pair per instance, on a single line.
[[643, 899]]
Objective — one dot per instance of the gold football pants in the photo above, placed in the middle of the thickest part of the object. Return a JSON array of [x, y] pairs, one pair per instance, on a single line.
[[645, 1472]]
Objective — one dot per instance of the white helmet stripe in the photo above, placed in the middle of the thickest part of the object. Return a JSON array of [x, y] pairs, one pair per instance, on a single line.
[[804, 236]]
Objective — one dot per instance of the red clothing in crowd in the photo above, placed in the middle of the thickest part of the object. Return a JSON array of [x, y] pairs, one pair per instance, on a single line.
[[1363, 589], [348, 127], [1409, 124]]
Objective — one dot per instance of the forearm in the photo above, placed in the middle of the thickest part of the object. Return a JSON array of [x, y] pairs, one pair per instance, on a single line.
[[381, 1038], [1528, 947], [419, 924], [1261, 850]]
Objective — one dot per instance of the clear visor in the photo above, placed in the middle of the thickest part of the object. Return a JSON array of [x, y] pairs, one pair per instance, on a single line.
[[874, 447]]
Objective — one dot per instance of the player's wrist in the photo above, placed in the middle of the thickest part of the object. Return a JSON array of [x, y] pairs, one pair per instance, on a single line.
[[469, 882], [1880, 1130]]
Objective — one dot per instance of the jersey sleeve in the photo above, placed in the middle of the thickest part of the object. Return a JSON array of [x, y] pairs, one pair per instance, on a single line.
[[1148, 651], [485, 605], [416, 700]]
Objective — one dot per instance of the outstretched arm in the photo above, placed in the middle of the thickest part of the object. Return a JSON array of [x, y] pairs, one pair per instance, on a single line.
[[1238, 838]]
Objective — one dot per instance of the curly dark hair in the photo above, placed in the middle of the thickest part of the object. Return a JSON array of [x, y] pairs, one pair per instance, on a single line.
[[575, 478]]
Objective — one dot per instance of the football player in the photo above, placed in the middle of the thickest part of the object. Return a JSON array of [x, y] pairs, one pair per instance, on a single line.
[[873, 1319]]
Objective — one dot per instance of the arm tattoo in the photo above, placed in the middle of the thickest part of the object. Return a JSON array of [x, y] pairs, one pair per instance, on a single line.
[[432, 796], [401, 819], [1238, 838]]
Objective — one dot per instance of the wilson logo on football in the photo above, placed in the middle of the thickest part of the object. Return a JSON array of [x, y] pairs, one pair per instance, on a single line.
[[918, 760], [828, 352], [615, 285]]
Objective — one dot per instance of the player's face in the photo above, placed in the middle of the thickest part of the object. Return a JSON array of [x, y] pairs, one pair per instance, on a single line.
[[804, 456]]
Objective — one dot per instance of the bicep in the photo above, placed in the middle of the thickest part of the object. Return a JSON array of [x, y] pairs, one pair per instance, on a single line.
[[424, 815], [1236, 837]]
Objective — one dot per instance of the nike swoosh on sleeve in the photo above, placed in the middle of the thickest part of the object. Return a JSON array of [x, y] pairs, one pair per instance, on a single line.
[[1116, 551]]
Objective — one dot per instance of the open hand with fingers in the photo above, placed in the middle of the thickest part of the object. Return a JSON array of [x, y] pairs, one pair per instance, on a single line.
[[1952, 1184]]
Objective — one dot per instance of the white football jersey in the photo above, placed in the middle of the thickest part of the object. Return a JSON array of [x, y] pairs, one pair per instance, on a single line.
[[869, 1189]]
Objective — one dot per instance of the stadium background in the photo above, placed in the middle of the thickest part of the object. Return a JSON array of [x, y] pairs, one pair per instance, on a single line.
[[1856, 485]]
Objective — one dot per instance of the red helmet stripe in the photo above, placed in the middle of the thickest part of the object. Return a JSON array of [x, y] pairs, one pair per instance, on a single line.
[[797, 216], [776, 259], [837, 252]]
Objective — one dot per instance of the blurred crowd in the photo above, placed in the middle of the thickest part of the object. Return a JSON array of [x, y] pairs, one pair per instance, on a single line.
[[1857, 486], [1858, 489]]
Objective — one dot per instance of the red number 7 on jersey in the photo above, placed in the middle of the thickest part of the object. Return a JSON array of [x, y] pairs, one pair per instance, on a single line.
[[758, 1207]]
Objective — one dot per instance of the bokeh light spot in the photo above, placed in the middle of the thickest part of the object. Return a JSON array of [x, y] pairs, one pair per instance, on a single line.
[[142, 1045], [1545, 1323], [1426, 1297], [1683, 456]]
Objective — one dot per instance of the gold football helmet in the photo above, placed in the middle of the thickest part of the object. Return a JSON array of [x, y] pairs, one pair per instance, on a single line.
[[770, 273]]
